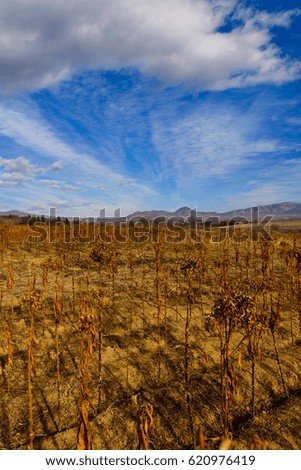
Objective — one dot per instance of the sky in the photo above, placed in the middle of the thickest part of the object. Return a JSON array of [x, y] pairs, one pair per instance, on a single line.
[[149, 104]]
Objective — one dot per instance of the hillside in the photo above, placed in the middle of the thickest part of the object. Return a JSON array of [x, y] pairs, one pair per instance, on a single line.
[[283, 210]]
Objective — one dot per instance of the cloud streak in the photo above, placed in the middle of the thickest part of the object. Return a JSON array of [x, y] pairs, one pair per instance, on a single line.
[[210, 141], [39, 136], [49, 153], [18, 171], [177, 41]]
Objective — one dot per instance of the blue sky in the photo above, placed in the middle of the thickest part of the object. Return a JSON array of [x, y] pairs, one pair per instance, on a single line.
[[149, 104]]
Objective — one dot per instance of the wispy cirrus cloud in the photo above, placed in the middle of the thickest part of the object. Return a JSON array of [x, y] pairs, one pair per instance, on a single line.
[[267, 193], [37, 134], [50, 152], [11, 180], [210, 141], [263, 193], [277, 182], [59, 184], [126, 181]]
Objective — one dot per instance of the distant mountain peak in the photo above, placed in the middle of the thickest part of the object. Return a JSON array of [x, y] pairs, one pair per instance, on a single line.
[[278, 210], [184, 208], [281, 210], [14, 213], [184, 211]]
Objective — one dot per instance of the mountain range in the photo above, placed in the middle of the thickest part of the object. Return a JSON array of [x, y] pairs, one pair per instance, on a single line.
[[283, 210], [14, 213]]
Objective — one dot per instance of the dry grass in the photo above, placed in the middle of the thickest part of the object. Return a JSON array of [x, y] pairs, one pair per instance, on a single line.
[[141, 345]]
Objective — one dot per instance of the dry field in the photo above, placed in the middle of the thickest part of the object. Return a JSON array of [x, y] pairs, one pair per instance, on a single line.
[[151, 345]]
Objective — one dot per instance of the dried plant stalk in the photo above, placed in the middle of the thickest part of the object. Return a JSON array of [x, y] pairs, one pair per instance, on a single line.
[[188, 269], [227, 313], [10, 348], [145, 425], [187, 367], [32, 302], [273, 324], [31, 365], [158, 288], [200, 439], [258, 444], [57, 314], [84, 434], [99, 299], [159, 301], [88, 336]]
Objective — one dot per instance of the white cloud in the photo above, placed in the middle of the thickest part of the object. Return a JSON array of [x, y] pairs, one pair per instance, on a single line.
[[211, 141], [266, 19], [58, 184], [11, 179], [19, 165], [178, 41], [278, 182], [264, 193], [295, 121], [20, 170], [79, 173], [126, 181], [56, 166], [39, 136]]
